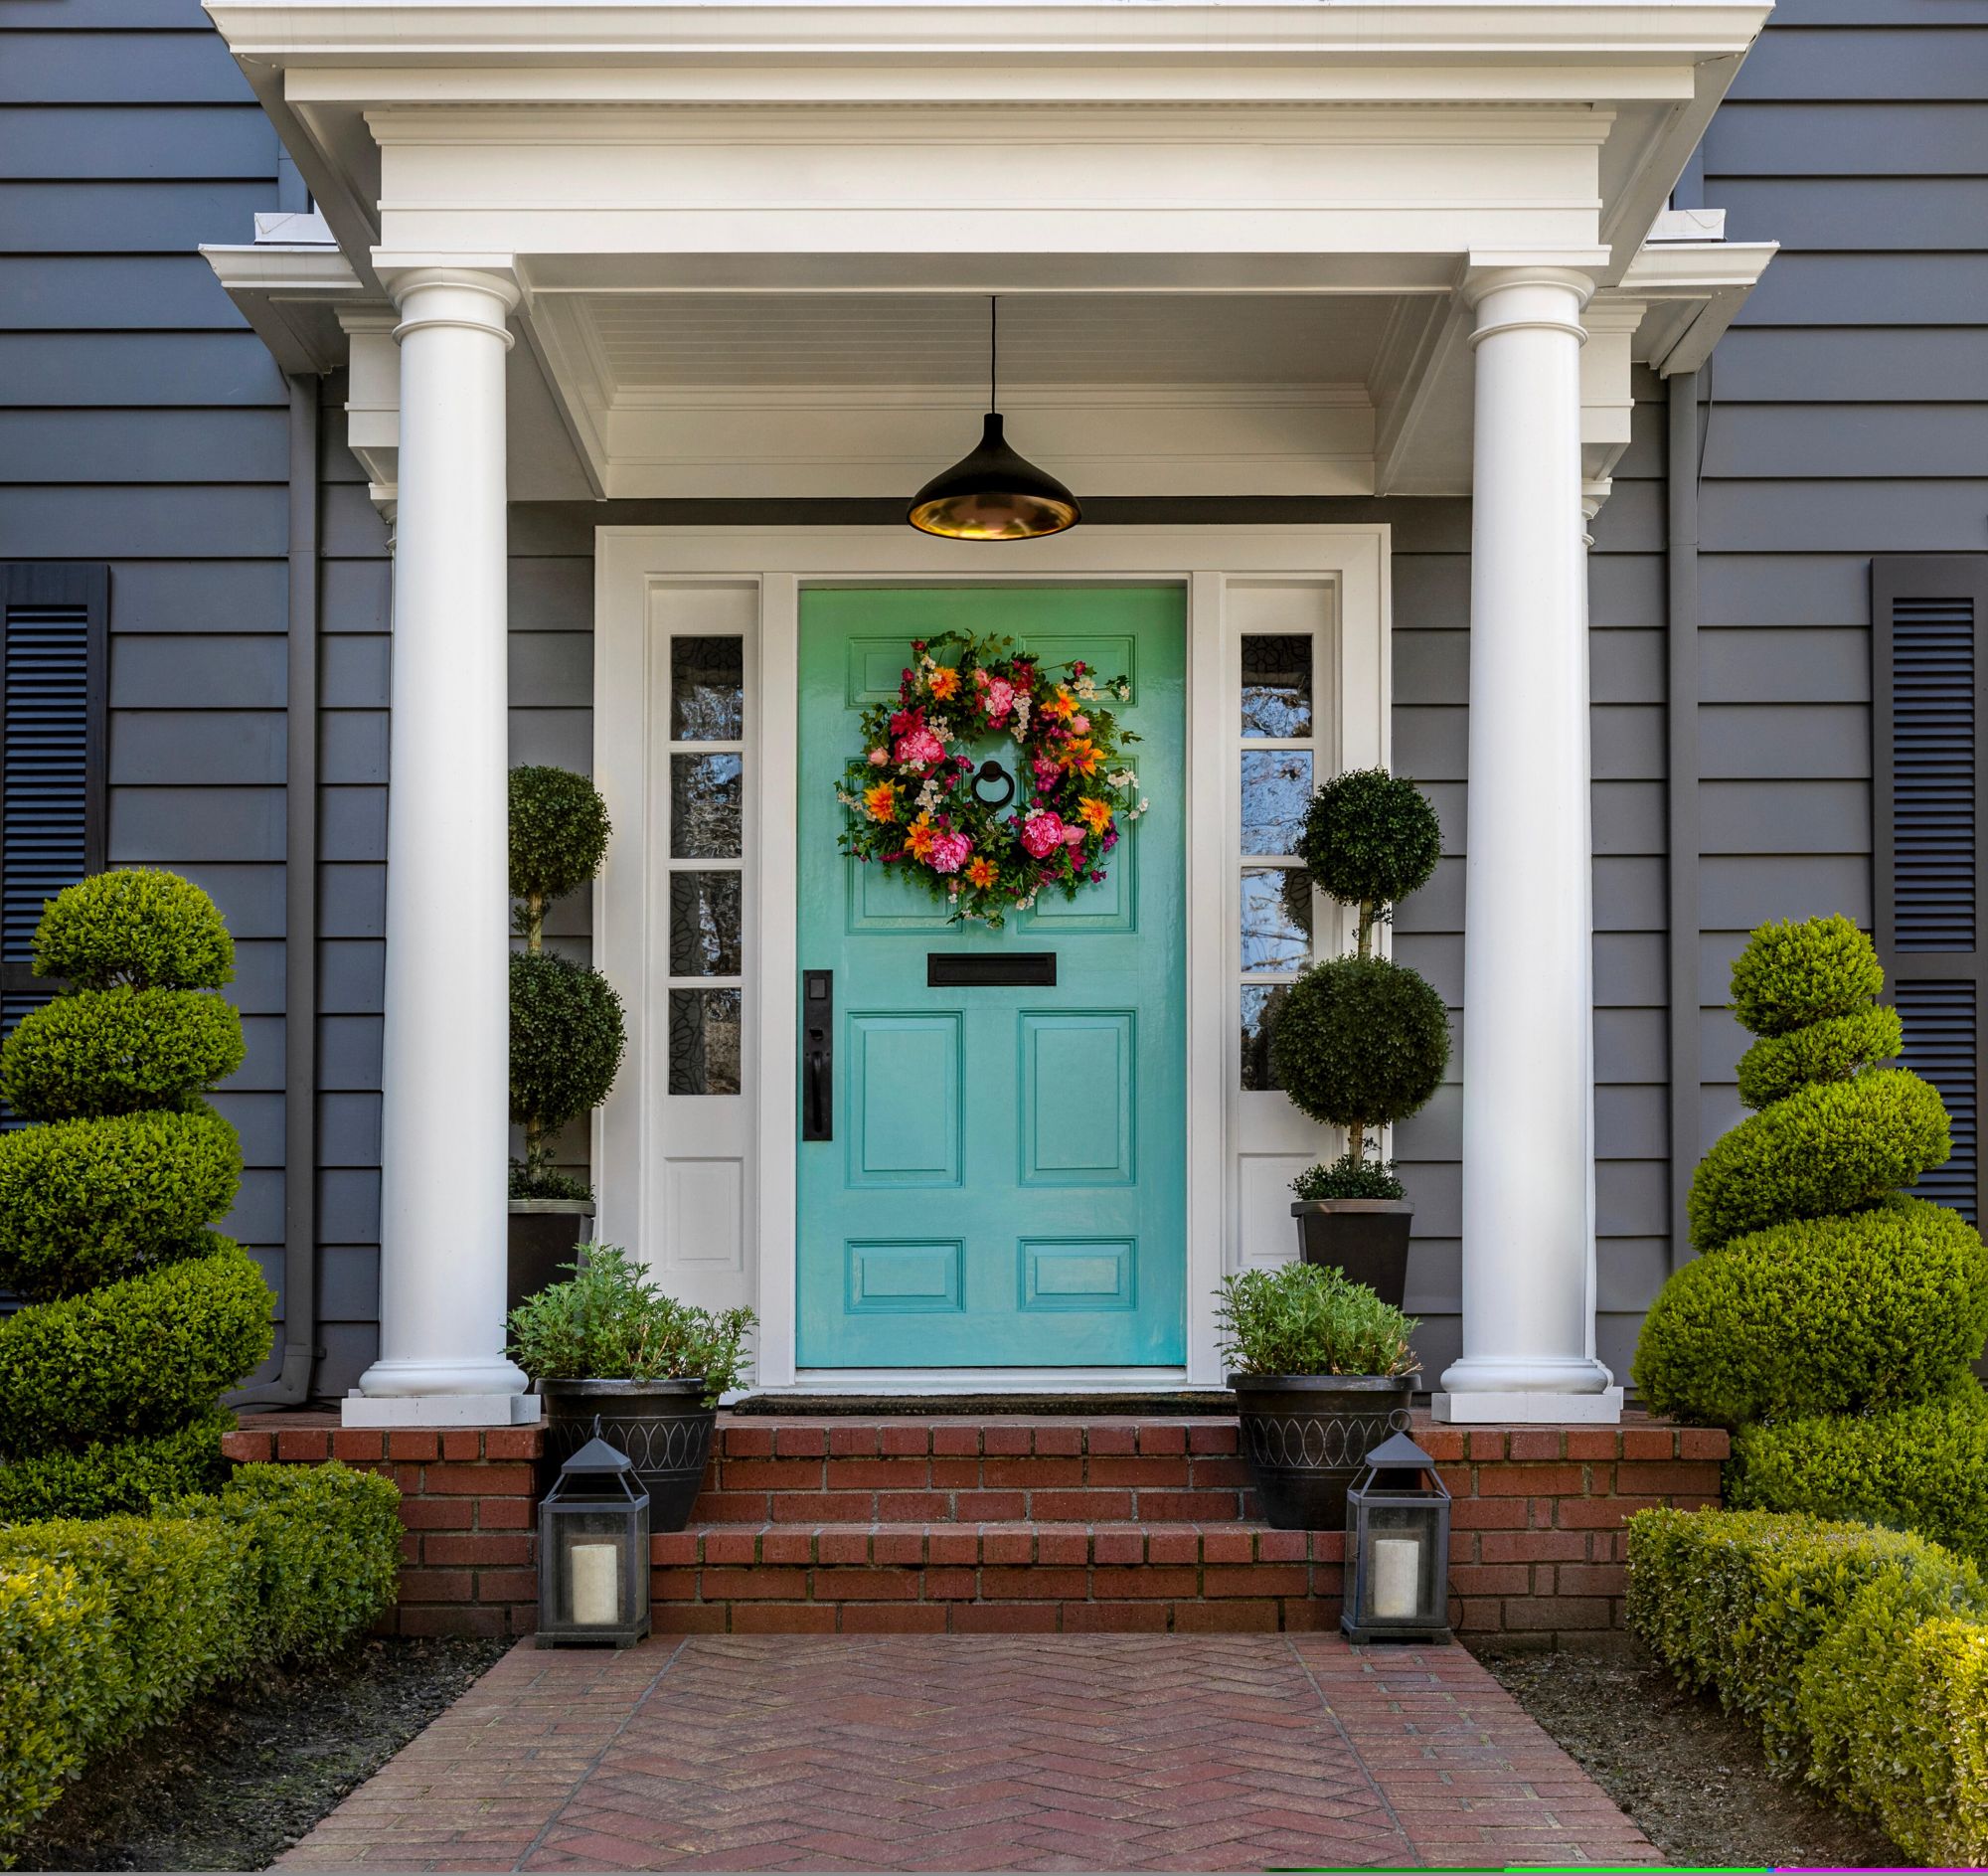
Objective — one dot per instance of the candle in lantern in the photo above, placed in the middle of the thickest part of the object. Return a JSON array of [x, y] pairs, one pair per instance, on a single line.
[[1398, 1569], [596, 1572]]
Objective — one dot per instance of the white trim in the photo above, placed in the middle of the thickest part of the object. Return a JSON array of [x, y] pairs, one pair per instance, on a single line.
[[633, 563]]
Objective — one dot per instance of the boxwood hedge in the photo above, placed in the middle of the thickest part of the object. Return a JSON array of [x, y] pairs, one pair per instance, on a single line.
[[136, 926], [105, 1051]]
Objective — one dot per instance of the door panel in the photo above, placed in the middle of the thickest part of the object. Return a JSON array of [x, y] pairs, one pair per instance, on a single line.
[[1006, 1184]]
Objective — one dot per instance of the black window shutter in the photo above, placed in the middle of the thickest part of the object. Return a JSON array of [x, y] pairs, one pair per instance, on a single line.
[[54, 722], [1929, 670]]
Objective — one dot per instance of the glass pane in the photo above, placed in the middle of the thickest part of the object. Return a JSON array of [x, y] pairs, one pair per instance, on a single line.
[[1277, 917], [708, 690], [1277, 684], [707, 794], [704, 1041], [705, 920], [1259, 1014], [1276, 790]]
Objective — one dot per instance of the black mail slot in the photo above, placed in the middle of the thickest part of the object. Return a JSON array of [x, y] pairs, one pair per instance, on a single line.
[[969, 969]]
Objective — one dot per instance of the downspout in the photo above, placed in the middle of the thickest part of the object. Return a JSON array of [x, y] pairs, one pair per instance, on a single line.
[[292, 1384], [1681, 769]]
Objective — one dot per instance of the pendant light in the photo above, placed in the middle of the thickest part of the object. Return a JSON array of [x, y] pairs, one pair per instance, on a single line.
[[993, 494]]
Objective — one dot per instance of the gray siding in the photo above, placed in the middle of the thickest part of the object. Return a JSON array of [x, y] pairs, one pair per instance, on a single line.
[[1843, 416], [143, 425]]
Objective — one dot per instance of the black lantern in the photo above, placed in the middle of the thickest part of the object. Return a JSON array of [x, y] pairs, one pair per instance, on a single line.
[[993, 494], [1397, 1548], [594, 1553]]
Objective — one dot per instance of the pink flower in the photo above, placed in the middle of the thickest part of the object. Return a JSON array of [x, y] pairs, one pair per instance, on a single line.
[[918, 748], [1046, 771], [879, 756], [902, 722], [1073, 836], [949, 852], [1044, 832], [1000, 698], [1080, 726]]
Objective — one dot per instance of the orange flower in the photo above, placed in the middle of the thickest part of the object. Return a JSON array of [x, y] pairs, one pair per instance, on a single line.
[[1095, 813], [1079, 754], [944, 682], [880, 801], [921, 837], [981, 873], [1061, 704]]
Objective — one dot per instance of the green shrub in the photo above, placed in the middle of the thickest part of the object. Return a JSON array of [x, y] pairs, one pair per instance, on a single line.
[[1348, 1177], [1922, 1468], [610, 1322], [566, 1038], [122, 1475], [1804, 971], [1836, 1049], [1734, 1602], [56, 1648], [1309, 1319], [106, 1051], [1360, 1041], [134, 927], [85, 1202], [325, 1548], [559, 833], [1898, 1296], [1369, 838], [176, 1592], [143, 1355], [1833, 1148]]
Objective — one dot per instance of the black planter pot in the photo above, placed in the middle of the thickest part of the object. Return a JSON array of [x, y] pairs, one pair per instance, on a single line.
[[544, 1233], [1367, 1239], [1306, 1438], [662, 1426]]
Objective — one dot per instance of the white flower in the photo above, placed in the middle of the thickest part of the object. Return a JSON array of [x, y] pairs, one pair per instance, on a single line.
[[1144, 804], [1124, 693]]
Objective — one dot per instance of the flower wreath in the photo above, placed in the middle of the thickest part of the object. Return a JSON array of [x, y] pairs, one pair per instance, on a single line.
[[915, 793]]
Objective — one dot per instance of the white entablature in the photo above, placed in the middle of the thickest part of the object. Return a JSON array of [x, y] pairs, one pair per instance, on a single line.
[[752, 243]]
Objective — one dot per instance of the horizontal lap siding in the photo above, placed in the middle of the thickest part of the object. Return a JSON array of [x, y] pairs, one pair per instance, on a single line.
[[1845, 416], [143, 425]]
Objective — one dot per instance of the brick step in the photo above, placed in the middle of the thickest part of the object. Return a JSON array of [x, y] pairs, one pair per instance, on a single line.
[[1004, 1469], [993, 1577]]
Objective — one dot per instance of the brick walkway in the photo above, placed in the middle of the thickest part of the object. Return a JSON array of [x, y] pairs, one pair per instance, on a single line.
[[978, 1753]]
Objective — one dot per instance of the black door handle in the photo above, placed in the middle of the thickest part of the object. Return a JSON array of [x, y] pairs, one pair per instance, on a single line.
[[818, 1054]]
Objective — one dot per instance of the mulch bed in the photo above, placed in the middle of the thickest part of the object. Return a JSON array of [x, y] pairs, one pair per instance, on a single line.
[[1694, 1780], [240, 1775]]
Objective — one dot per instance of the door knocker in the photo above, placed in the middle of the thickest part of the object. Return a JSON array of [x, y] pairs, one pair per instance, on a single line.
[[991, 772]]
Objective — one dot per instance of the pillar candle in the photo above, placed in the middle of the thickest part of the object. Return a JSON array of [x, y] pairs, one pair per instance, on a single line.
[[1398, 1569], [596, 1573]]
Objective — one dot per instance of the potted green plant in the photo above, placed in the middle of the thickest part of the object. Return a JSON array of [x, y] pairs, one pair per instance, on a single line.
[[566, 1031], [610, 1353], [1361, 1041], [1322, 1373]]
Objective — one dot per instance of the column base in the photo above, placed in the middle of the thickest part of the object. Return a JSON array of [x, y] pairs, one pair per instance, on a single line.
[[1528, 1407], [438, 1410]]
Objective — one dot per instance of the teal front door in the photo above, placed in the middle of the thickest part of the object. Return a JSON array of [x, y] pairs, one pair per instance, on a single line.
[[1005, 1181]]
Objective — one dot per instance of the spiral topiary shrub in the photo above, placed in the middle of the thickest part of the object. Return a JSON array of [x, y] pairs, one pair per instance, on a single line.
[[1897, 1296], [567, 1026], [141, 1316], [1832, 1321]]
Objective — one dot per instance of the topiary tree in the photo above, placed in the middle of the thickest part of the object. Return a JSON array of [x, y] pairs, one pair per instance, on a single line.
[[566, 1027], [139, 1315], [1362, 1042], [1833, 1320]]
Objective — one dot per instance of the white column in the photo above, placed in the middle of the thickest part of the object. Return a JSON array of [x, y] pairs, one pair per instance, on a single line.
[[444, 1074], [1528, 972]]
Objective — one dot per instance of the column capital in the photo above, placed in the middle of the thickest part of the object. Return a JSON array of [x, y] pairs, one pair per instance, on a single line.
[[1527, 298], [475, 298]]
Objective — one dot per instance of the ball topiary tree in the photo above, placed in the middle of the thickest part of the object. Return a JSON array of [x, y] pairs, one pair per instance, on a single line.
[[566, 1027], [1833, 1319], [139, 1314], [1362, 1042]]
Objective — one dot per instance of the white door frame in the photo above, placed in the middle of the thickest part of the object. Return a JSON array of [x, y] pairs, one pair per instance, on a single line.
[[1344, 568]]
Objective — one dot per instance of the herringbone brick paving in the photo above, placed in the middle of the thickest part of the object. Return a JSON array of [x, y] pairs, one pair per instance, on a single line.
[[978, 1753]]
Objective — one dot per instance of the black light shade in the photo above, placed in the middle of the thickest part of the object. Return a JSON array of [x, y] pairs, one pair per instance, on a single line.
[[993, 495]]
